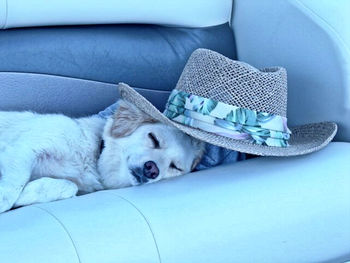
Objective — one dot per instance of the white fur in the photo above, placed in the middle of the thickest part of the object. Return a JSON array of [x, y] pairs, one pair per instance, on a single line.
[[47, 157]]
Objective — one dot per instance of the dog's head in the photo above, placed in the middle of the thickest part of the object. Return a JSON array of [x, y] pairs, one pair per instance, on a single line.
[[140, 150]]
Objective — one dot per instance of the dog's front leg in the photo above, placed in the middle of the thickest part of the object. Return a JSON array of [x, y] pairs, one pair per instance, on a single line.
[[15, 172], [46, 190]]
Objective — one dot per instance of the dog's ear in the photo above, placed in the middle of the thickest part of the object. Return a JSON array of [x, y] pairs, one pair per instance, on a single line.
[[127, 119], [195, 163], [200, 146]]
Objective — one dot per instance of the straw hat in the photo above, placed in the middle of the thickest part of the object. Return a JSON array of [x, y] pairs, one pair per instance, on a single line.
[[233, 105]]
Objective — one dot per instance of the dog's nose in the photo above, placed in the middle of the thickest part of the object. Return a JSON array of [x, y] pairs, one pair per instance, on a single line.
[[150, 170]]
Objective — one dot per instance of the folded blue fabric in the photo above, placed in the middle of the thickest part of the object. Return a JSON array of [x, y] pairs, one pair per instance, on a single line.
[[213, 155]]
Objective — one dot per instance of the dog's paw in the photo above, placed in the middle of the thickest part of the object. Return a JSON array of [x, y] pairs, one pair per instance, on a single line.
[[69, 189], [7, 199], [46, 190], [5, 204]]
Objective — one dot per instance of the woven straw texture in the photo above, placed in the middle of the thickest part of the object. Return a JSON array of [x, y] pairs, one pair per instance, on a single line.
[[212, 75], [304, 139]]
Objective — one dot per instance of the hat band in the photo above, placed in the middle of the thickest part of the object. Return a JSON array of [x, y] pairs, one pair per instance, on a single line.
[[227, 120]]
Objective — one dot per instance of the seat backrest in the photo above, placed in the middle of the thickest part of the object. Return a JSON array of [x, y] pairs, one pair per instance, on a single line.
[[147, 57], [40, 67]]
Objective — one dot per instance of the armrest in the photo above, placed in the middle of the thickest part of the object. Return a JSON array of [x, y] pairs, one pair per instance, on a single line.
[[188, 13], [312, 40]]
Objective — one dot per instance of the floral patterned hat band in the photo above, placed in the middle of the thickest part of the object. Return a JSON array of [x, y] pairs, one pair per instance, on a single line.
[[227, 120]]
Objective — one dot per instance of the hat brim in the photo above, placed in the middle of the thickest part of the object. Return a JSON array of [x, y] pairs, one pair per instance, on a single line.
[[304, 138]]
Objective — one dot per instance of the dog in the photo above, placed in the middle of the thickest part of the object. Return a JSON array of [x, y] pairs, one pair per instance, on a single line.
[[48, 157]]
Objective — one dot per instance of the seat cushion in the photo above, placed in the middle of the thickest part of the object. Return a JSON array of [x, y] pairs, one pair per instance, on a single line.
[[260, 210], [94, 228]]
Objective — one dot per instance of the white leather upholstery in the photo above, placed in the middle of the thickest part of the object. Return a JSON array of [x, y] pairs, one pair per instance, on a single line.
[[3, 13], [335, 15], [311, 39], [100, 227], [260, 210], [189, 13], [30, 234]]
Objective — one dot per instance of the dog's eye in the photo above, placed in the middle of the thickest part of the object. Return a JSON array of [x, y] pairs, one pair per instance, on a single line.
[[173, 166], [154, 140]]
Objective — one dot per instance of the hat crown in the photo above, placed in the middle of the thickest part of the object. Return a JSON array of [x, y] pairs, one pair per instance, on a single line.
[[214, 76]]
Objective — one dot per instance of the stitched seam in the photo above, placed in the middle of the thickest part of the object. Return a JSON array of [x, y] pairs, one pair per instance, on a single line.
[[64, 228], [231, 14], [331, 28], [144, 217], [83, 79], [6, 13]]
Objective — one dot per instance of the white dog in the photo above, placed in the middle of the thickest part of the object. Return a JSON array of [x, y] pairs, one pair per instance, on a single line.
[[47, 157]]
